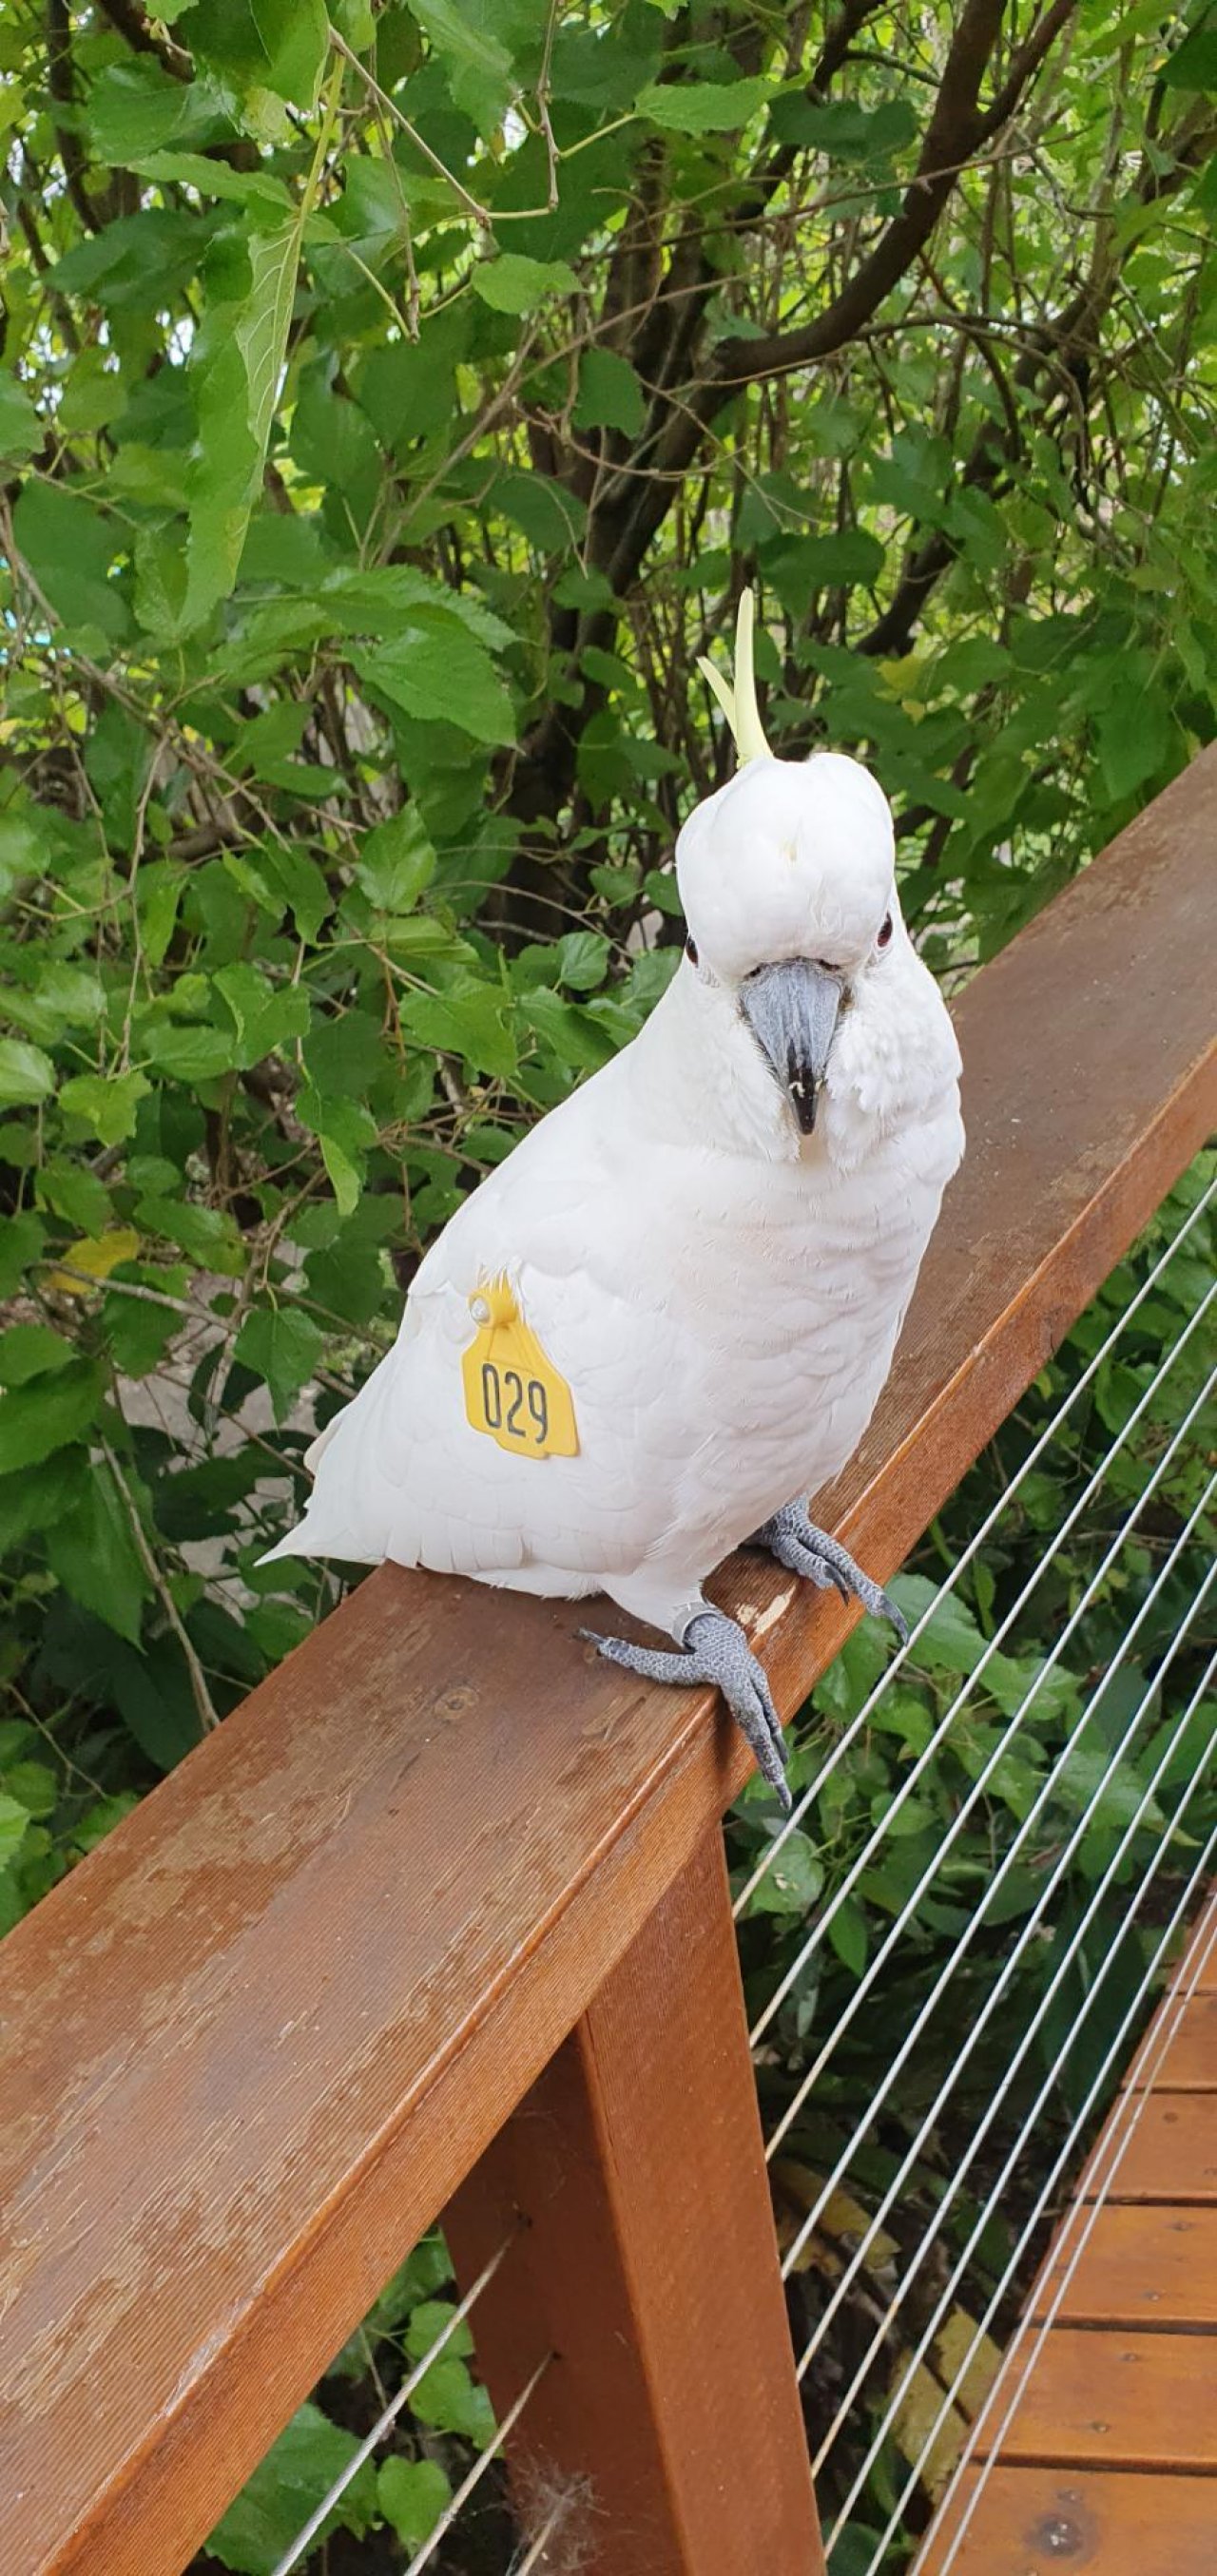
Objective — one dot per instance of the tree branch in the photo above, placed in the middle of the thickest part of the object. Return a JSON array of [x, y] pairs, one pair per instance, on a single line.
[[951, 137], [61, 82], [129, 19]]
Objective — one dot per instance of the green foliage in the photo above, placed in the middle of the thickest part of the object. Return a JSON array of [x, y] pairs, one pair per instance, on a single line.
[[288, 2486], [407, 2492]]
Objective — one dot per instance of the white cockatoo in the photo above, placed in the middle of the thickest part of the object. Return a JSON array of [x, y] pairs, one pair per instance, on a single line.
[[667, 1316]]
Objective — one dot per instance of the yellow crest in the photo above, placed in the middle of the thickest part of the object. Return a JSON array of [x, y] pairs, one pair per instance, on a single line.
[[512, 1391]]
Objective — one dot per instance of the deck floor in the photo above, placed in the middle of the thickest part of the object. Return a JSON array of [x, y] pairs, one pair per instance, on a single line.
[[1099, 2450]]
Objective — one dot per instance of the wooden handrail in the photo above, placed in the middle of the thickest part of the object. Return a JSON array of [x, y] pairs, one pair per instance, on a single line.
[[259, 2037]]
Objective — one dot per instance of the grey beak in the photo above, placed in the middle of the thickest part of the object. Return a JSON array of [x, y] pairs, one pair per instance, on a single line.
[[791, 1010]]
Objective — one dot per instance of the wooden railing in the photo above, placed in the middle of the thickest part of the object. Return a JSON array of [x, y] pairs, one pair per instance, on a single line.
[[438, 1921]]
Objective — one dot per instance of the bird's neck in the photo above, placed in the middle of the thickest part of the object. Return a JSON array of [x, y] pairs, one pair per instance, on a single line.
[[699, 1077]]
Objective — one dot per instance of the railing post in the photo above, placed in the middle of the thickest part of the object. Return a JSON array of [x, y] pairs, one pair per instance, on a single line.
[[647, 2265]]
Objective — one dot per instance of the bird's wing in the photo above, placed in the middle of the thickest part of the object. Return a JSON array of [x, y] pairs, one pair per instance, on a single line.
[[401, 1473]]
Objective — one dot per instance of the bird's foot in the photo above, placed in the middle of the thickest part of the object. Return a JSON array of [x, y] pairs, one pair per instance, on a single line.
[[793, 1538], [715, 1651]]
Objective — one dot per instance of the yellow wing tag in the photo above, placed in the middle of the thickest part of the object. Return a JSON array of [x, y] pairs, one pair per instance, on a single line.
[[511, 1390]]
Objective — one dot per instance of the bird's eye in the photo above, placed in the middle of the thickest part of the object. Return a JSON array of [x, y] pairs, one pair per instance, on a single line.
[[885, 932], [691, 951]]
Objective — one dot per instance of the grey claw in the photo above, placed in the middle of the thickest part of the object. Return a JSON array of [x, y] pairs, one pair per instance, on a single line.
[[717, 1652], [792, 1537]]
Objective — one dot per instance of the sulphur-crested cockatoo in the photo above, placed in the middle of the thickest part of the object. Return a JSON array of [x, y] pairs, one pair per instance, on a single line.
[[667, 1316]]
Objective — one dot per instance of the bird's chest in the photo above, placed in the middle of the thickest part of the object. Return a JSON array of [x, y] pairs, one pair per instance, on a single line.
[[793, 1296], [798, 1295]]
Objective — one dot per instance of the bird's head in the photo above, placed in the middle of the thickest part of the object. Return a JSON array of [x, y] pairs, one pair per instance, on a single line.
[[787, 878]]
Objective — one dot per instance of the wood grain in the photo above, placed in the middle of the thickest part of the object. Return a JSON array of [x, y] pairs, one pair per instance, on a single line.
[[257, 2039], [1038, 2522], [1188, 2061], [1092, 2388], [637, 2164], [1171, 2153], [1138, 2267], [1137, 2401]]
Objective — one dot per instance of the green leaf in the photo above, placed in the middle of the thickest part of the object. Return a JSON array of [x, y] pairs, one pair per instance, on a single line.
[[382, 602], [1134, 732], [412, 2494], [465, 35], [610, 396], [266, 1015], [952, 1642], [206, 1235], [34, 1786], [449, 2400], [276, 45], [427, 2323], [74, 1193], [70, 546], [134, 107], [26, 1074], [92, 1550], [289, 2484], [105, 1104], [44, 1416], [283, 1347], [513, 284], [848, 1936], [792, 1882], [256, 188], [63, 997], [441, 677], [843, 129], [21, 1241], [397, 862], [703, 107], [1193, 64], [191, 1054], [468, 1020], [583, 957], [576, 1038], [32, 1350], [13, 1821], [37, 1497], [20, 427]]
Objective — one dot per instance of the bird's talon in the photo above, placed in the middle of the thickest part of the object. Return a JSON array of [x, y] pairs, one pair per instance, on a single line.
[[792, 1537], [892, 1611], [715, 1651]]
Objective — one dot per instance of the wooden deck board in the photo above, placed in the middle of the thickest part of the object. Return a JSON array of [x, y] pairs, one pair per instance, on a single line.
[[1189, 2062], [1036, 2522], [1137, 2267], [1171, 2154], [1099, 2450], [1118, 2400]]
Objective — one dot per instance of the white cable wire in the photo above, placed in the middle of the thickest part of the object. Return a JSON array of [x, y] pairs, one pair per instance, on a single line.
[[477, 2472], [1063, 1964], [1042, 1797], [1121, 2130], [841, 1746], [914, 2360], [537, 2548], [864, 1858], [1059, 2164], [388, 2416]]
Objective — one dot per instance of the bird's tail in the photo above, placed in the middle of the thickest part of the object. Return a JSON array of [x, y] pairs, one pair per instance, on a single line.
[[332, 1523]]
